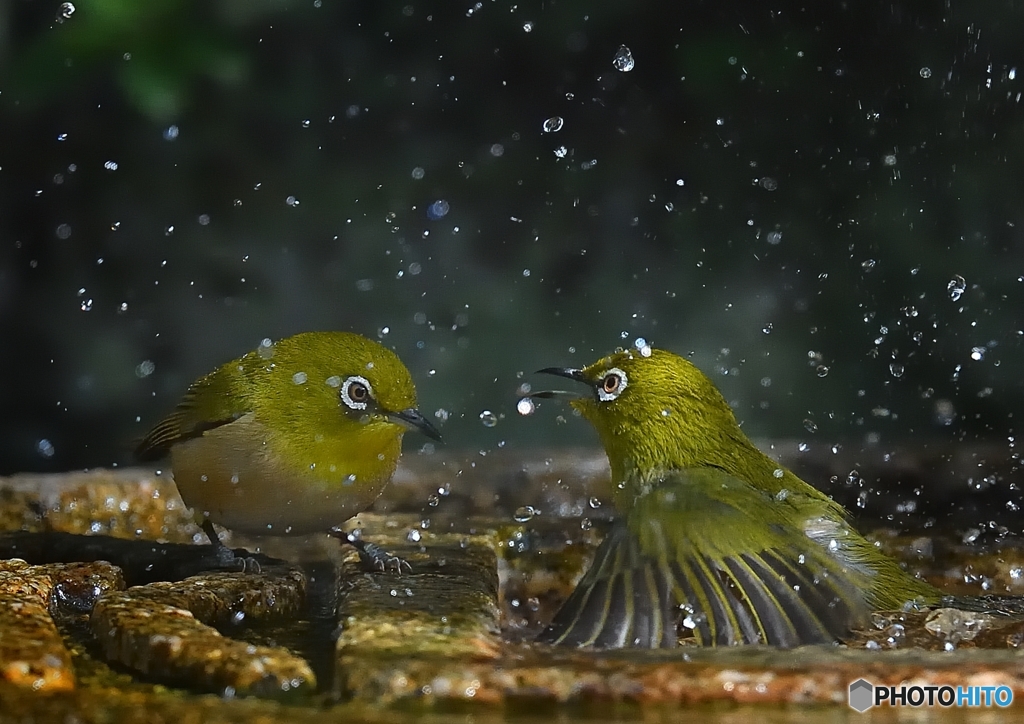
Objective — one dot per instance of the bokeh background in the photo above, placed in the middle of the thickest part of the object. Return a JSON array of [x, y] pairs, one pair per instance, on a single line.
[[822, 203]]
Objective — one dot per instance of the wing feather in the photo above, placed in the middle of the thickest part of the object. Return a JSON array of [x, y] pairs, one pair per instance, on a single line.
[[706, 543]]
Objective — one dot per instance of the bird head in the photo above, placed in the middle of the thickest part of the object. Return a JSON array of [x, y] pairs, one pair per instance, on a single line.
[[340, 381], [653, 411]]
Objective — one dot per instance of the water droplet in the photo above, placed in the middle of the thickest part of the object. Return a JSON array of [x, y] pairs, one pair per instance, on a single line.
[[438, 210], [110, 165], [822, 371], [65, 11], [488, 418], [527, 26], [978, 353], [769, 184], [63, 231], [896, 369], [868, 264], [773, 237], [810, 425], [779, 472], [292, 201], [145, 368], [413, 536], [524, 513], [299, 378], [418, 173], [594, 502], [170, 133], [956, 287], [586, 524], [526, 406], [623, 60], [561, 151], [45, 448], [433, 500], [926, 72], [553, 124]]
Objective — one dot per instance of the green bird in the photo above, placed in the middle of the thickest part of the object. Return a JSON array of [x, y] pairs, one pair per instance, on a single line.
[[292, 438], [713, 535]]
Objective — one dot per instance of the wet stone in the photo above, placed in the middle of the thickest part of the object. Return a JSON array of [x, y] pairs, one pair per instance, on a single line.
[[126, 503], [166, 630], [444, 612], [32, 651]]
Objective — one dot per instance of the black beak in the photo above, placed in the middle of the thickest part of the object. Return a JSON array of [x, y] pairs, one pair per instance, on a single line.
[[567, 372], [414, 420], [572, 374]]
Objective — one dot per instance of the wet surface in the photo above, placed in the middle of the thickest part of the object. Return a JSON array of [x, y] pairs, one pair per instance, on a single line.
[[107, 611]]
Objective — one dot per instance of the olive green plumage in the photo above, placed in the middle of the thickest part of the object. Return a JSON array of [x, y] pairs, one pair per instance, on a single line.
[[712, 535], [294, 437]]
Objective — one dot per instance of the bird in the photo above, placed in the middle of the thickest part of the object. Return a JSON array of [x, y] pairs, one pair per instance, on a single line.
[[294, 437], [714, 542]]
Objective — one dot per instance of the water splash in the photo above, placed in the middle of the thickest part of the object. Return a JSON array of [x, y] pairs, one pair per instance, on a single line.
[[623, 60]]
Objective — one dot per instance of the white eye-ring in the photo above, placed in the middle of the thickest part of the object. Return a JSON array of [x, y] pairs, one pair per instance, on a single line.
[[612, 384], [356, 392]]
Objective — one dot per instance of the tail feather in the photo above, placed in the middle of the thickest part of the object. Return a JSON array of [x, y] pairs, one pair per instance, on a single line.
[[630, 598]]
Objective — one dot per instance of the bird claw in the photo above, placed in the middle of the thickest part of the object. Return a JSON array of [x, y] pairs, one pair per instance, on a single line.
[[372, 556], [236, 559]]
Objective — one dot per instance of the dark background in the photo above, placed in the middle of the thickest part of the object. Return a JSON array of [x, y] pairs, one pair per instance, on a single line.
[[823, 203]]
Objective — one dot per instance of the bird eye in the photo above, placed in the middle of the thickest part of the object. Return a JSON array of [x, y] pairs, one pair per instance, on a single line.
[[611, 385], [356, 392]]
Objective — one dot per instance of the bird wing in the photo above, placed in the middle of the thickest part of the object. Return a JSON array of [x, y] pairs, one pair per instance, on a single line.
[[213, 400], [731, 563]]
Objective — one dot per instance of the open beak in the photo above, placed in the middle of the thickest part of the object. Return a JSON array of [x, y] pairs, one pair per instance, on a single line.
[[413, 419], [568, 373]]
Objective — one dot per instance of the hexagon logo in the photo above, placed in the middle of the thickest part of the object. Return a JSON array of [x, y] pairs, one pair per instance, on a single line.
[[862, 695]]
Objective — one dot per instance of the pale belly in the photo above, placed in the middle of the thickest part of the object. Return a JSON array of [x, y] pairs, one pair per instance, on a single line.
[[240, 485]]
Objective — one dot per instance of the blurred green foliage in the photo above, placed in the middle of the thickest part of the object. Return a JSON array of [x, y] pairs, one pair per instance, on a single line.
[[786, 192]]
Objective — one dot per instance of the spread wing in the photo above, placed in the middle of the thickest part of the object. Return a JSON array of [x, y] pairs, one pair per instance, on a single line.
[[211, 401], [710, 553]]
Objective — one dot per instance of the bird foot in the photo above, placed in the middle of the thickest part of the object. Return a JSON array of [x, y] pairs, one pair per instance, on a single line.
[[372, 556]]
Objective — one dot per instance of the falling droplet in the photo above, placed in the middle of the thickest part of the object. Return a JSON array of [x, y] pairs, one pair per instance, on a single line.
[[524, 513], [553, 124], [488, 418], [526, 406], [623, 60], [438, 210], [65, 12], [896, 369], [956, 287]]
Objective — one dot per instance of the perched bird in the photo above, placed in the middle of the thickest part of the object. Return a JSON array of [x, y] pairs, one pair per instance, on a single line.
[[713, 536], [295, 437]]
